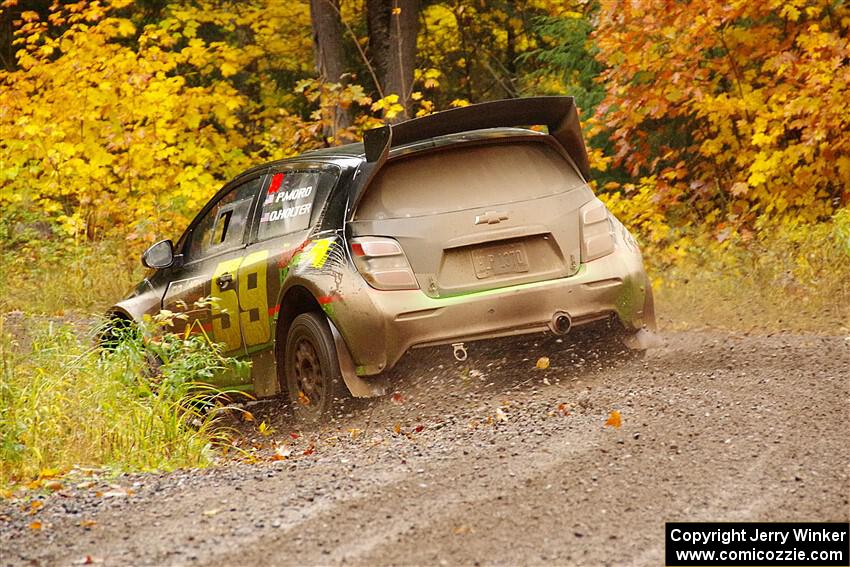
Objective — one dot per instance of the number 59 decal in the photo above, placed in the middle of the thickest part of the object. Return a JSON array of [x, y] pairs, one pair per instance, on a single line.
[[242, 315]]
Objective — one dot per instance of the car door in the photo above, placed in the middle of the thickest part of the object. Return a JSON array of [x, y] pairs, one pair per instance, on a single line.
[[205, 287]]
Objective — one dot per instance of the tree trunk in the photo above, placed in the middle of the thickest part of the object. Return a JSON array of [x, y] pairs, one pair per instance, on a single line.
[[7, 35], [393, 27], [330, 56], [8, 15]]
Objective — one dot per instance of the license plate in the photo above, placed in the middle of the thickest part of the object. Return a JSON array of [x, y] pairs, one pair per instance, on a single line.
[[499, 259]]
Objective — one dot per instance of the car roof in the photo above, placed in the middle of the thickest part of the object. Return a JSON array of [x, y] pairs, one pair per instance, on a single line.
[[357, 151]]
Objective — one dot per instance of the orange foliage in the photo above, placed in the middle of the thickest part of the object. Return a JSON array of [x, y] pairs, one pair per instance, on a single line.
[[738, 111]]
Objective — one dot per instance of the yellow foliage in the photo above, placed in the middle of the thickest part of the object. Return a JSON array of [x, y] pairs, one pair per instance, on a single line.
[[389, 105], [94, 126], [106, 135]]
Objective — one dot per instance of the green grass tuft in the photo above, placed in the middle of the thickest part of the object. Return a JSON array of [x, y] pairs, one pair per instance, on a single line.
[[65, 403]]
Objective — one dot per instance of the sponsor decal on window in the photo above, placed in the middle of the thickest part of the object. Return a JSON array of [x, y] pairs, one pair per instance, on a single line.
[[288, 203], [287, 213]]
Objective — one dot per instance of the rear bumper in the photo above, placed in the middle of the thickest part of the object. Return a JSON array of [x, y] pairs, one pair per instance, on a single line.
[[380, 326]]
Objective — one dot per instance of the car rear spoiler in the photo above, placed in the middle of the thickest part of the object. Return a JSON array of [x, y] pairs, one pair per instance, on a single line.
[[557, 113]]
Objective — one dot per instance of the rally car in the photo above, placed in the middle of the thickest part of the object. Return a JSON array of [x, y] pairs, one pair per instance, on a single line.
[[455, 227]]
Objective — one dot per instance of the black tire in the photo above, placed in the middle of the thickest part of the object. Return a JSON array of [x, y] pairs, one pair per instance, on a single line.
[[311, 369], [113, 331]]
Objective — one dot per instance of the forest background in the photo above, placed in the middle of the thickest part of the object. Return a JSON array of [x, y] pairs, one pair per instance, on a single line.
[[718, 131]]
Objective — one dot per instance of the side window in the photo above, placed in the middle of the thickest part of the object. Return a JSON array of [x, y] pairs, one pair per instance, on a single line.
[[291, 200], [223, 226]]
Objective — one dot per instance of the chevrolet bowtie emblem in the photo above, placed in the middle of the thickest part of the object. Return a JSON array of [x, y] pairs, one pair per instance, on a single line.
[[491, 218]]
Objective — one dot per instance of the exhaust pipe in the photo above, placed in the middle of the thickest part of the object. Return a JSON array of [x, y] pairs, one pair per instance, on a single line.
[[561, 323]]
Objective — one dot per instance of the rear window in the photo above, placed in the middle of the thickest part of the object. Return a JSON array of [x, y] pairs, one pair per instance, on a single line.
[[467, 178]]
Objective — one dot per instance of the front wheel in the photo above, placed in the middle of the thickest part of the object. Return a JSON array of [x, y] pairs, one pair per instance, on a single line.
[[311, 369]]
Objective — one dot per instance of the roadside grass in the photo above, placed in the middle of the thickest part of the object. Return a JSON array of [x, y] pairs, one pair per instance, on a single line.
[[64, 403], [53, 278], [794, 278]]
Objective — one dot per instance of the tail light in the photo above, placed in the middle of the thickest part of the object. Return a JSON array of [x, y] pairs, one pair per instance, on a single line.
[[382, 263], [597, 233]]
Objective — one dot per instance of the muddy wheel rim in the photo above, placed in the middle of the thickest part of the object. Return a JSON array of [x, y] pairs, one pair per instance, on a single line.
[[309, 378]]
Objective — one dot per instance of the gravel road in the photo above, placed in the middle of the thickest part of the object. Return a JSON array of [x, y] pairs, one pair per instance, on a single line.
[[493, 462]]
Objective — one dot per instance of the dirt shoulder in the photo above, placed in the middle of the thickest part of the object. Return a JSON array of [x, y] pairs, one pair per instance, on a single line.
[[495, 462]]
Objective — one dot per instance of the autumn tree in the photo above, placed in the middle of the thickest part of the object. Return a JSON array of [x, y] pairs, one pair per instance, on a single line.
[[737, 111], [10, 13], [330, 55], [111, 128], [471, 51], [393, 28]]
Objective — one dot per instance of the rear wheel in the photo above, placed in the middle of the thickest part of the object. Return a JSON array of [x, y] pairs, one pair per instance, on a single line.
[[311, 369]]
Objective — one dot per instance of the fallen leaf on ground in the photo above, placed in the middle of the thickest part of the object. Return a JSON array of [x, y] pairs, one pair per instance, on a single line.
[[563, 409], [247, 416], [35, 526], [310, 450], [35, 506], [53, 485], [397, 398], [281, 453], [418, 428], [500, 415], [543, 362], [88, 523], [614, 419], [397, 428], [354, 432], [265, 429], [294, 435], [303, 399], [211, 512]]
